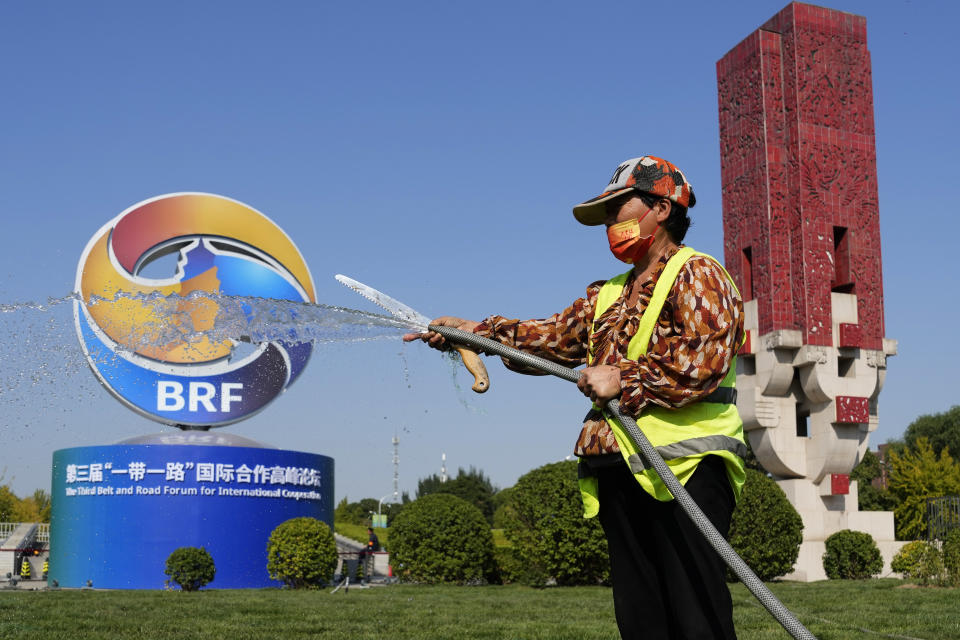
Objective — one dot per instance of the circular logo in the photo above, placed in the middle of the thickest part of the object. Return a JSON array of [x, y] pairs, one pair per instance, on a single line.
[[152, 342]]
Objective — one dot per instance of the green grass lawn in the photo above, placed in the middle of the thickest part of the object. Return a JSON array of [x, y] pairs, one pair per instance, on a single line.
[[831, 610]]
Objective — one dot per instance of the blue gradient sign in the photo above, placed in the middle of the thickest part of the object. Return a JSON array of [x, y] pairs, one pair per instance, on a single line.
[[120, 510]]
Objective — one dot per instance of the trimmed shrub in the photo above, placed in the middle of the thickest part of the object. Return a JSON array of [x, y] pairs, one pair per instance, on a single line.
[[765, 529], [930, 568], [441, 538], [919, 561], [302, 553], [851, 555], [505, 513], [951, 558], [190, 568], [908, 558], [509, 570], [543, 520]]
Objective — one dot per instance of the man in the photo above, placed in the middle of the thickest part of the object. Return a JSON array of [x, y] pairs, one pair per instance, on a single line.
[[373, 542], [373, 545], [662, 338]]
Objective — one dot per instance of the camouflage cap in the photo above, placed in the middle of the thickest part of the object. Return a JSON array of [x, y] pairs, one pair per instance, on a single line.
[[646, 173]]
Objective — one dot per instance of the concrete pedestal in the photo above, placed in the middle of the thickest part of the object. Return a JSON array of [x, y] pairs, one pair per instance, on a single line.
[[824, 515]]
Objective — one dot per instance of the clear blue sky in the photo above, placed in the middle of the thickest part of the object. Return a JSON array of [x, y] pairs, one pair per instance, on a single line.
[[432, 150]]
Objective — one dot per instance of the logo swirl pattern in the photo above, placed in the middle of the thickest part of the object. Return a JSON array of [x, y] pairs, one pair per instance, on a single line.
[[157, 359]]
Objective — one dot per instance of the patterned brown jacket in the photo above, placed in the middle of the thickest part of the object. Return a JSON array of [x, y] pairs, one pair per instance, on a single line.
[[690, 352]]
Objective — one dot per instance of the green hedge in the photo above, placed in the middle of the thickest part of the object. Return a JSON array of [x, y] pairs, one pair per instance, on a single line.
[[951, 558], [190, 568], [302, 553], [851, 555], [543, 520], [441, 538], [930, 563], [509, 568], [765, 529], [908, 560]]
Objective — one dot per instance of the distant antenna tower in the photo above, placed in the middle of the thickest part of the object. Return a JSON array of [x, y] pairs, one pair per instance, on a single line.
[[396, 468], [443, 467]]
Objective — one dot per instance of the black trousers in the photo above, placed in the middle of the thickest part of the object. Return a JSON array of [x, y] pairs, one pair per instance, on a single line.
[[668, 582]]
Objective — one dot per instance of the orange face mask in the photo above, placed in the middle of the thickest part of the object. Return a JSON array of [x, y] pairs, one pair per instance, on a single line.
[[626, 243]]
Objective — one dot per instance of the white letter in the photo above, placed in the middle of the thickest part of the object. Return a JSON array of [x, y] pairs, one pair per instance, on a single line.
[[167, 391], [197, 398], [226, 397]]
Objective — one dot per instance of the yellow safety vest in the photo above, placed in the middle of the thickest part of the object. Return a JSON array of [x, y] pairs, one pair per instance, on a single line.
[[681, 436]]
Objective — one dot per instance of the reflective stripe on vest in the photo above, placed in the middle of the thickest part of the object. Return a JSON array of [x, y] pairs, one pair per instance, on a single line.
[[682, 436], [689, 447]]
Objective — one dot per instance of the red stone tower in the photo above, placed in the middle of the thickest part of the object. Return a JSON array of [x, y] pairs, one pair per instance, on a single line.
[[802, 240], [799, 173]]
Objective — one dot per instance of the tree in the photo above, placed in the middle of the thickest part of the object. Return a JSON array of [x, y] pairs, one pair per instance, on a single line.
[[302, 553], [869, 497], [502, 497], [441, 538], [867, 469], [368, 506], [190, 568], [358, 513], [429, 485], [941, 429], [9, 504], [14, 509], [503, 510], [473, 486], [766, 531], [343, 512], [544, 522], [42, 499], [917, 474]]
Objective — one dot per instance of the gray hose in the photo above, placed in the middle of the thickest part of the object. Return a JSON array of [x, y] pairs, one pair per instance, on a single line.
[[789, 622]]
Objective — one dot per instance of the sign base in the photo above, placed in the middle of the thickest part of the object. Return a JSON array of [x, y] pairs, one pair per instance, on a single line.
[[118, 511]]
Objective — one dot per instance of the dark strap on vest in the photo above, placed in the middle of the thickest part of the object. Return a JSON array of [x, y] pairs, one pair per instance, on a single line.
[[722, 395]]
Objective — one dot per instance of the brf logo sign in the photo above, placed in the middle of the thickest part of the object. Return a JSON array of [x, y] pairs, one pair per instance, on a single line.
[[148, 340]]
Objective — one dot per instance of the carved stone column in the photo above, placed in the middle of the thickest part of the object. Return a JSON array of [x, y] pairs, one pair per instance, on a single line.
[[802, 241]]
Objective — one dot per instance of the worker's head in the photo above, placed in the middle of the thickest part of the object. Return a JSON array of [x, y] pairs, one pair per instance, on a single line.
[[657, 183], [369, 529], [646, 200]]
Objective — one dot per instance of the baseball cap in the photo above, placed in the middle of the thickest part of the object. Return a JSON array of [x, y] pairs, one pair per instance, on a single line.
[[646, 173]]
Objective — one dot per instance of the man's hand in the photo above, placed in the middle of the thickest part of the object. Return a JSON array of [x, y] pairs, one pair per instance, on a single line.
[[436, 340], [600, 383]]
